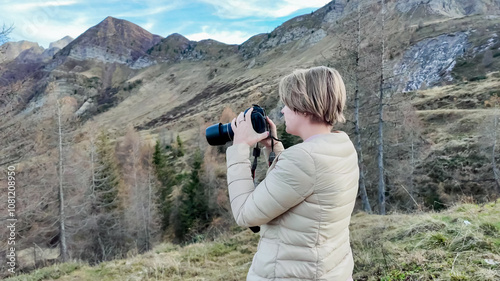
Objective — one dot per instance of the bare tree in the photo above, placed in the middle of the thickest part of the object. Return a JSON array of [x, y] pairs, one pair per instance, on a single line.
[[351, 60], [380, 145], [135, 157], [4, 33], [493, 152], [357, 130], [492, 136], [62, 218]]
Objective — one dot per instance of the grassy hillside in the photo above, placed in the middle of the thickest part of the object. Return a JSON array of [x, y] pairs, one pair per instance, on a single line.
[[462, 243]]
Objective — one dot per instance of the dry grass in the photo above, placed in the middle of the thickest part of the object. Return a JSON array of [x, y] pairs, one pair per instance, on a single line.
[[462, 243], [457, 244]]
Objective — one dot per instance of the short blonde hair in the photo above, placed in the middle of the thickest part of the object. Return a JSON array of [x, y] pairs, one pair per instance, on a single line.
[[318, 91]]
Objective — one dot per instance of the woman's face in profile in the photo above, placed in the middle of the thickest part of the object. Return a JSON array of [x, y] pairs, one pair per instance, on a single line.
[[293, 120]]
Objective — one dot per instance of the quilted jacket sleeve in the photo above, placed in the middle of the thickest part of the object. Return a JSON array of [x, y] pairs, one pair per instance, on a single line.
[[290, 181]]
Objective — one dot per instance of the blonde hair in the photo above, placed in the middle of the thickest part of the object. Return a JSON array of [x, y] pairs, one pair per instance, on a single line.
[[318, 91]]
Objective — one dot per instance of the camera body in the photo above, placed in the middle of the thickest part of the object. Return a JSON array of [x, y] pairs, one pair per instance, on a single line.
[[220, 134]]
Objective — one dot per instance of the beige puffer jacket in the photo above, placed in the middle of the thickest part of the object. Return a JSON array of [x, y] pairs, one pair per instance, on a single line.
[[303, 206]]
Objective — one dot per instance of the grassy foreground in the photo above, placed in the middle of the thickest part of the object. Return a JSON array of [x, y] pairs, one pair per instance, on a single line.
[[462, 243]]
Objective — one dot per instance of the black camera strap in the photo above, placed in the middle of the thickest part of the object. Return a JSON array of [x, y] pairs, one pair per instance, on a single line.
[[256, 154], [272, 155]]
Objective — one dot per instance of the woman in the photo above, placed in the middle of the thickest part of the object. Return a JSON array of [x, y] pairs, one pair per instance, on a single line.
[[304, 204]]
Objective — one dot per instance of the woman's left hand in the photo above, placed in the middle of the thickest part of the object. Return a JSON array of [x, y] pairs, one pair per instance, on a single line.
[[243, 130]]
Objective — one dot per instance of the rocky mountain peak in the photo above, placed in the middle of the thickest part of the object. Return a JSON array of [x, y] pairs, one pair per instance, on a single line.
[[112, 40], [175, 39], [10, 50], [61, 43], [176, 47]]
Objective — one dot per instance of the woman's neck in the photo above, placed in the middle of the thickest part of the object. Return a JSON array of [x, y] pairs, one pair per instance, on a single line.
[[314, 128]]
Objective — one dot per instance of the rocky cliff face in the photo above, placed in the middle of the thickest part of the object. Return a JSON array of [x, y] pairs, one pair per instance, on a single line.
[[451, 8], [430, 61], [313, 26]]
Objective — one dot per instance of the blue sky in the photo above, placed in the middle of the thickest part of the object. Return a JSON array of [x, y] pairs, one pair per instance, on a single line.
[[228, 21]]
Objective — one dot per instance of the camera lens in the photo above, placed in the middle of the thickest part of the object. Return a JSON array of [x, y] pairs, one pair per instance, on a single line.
[[219, 134]]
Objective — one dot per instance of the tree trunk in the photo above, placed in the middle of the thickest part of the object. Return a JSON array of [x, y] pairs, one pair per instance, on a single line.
[[149, 219], [362, 186], [412, 162], [493, 162], [380, 154], [62, 219]]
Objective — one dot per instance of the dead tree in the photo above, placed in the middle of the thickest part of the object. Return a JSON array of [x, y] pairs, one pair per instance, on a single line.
[[62, 217], [380, 144], [357, 131]]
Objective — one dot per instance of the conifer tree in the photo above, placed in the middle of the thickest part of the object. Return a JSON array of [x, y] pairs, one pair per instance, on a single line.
[[108, 236], [193, 210], [180, 147], [106, 175], [164, 168]]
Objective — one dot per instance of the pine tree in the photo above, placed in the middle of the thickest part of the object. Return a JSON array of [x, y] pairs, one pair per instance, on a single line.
[[193, 210], [108, 236], [165, 174], [180, 147], [107, 180]]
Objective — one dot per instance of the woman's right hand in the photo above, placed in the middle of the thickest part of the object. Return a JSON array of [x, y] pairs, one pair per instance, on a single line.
[[274, 133]]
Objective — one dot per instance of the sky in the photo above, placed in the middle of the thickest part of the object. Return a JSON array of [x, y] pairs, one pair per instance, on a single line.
[[227, 21]]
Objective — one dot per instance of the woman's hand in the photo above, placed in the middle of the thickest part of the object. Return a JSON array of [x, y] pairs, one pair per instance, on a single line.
[[274, 132], [243, 130]]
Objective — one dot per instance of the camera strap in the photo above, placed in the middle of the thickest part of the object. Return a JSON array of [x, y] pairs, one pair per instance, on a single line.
[[272, 155], [256, 154]]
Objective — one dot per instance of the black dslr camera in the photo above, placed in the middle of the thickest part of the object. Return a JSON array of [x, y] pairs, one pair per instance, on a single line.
[[220, 134]]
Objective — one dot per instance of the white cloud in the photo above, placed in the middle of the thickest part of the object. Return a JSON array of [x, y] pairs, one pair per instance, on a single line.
[[148, 25], [234, 9], [46, 30], [148, 11], [227, 37], [47, 21], [42, 21], [20, 7]]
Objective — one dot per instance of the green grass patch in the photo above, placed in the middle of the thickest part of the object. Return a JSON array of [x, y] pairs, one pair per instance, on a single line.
[[425, 246], [49, 273]]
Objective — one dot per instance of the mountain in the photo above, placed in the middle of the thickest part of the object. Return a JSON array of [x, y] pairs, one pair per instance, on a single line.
[[56, 46], [450, 8], [112, 40], [10, 50], [61, 43], [25, 51], [176, 47]]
